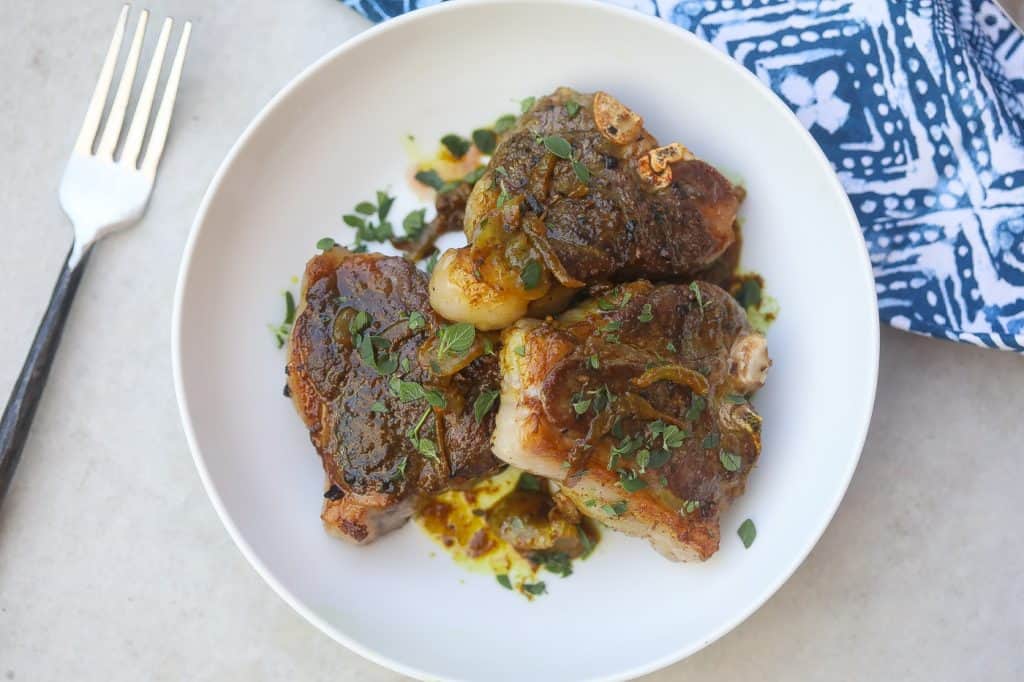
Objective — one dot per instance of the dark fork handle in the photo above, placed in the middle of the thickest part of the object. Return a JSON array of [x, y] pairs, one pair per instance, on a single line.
[[21, 407]]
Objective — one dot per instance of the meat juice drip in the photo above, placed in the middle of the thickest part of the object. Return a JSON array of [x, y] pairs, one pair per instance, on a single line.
[[481, 527], [746, 287]]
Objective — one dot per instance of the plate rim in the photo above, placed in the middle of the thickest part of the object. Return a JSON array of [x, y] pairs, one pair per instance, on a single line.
[[353, 43]]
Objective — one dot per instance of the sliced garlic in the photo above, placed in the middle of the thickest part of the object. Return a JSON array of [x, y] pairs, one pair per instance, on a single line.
[[663, 156], [647, 172], [615, 120]]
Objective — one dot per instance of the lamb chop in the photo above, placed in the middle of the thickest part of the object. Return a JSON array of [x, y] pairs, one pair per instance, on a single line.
[[637, 402], [579, 193], [390, 411]]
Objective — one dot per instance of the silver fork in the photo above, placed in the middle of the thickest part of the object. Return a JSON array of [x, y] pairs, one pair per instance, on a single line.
[[99, 194]]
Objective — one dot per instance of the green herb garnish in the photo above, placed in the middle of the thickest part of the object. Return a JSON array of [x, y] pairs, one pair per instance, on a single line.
[[658, 458], [673, 436], [400, 469], [413, 433], [643, 458], [747, 533], [535, 589], [504, 581], [366, 229], [504, 123], [614, 509], [520, 351], [384, 202], [627, 446], [529, 483], [613, 326], [581, 405], [696, 408], [588, 544], [416, 320], [485, 140], [735, 399], [435, 398], [414, 223], [407, 391], [710, 441], [325, 244], [456, 144], [631, 484], [558, 563], [572, 108], [424, 446], [690, 506], [526, 104], [700, 299], [750, 293], [617, 431], [581, 171], [483, 403], [594, 362], [360, 321], [530, 274], [646, 315], [368, 345], [282, 330], [473, 176], [603, 397], [455, 339], [609, 304], [289, 308], [428, 449], [430, 178], [432, 261], [378, 406], [730, 461], [670, 347], [558, 146]]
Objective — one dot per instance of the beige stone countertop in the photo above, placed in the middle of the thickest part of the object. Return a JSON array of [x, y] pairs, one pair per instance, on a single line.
[[114, 566]]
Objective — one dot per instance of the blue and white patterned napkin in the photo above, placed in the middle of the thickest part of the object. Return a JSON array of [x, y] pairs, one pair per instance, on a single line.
[[919, 104]]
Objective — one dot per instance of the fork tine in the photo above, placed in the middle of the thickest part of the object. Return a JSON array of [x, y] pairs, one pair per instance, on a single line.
[[83, 145], [158, 137], [112, 129], [137, 129]]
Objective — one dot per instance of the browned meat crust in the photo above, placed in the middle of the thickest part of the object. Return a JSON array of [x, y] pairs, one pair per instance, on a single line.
[[358, 422], [587, 206], [637, 402]]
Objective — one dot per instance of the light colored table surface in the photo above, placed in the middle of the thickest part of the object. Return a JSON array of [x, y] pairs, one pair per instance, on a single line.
[[113, 565]]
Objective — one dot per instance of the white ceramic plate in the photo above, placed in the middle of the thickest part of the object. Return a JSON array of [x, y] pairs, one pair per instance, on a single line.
[[333, 137]]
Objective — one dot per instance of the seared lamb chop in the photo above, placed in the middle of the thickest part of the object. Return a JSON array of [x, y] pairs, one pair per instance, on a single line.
[[391, 419], [579, 193], [636, 402]]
